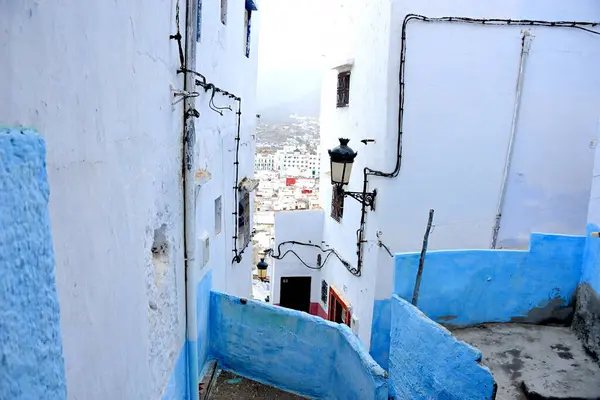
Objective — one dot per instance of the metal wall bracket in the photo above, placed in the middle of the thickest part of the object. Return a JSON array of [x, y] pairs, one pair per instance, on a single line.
[[366, 198]]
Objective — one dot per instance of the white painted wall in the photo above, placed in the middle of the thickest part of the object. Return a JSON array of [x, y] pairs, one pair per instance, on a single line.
[[459, 96], [301, 226], [220, 57], [94, 78]]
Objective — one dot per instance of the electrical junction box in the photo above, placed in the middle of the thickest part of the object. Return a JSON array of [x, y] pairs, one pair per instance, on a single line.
[[354, 324], [205, 248]]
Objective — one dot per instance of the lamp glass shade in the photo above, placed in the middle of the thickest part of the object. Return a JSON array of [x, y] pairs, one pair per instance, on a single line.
[[262, 274], [340, 172], [341, 157]]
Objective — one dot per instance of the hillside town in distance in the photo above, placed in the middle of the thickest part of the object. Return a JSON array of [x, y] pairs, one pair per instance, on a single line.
[[287, 164]]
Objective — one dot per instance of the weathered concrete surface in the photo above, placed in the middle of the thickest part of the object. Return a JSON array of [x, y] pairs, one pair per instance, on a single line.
[[548, 361], [230, 387], [586, 322]]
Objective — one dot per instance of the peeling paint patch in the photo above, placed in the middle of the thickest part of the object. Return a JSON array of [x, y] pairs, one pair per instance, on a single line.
[[202, 176]]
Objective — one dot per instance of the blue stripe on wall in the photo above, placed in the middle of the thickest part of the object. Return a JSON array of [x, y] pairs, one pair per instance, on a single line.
[[31, 357]]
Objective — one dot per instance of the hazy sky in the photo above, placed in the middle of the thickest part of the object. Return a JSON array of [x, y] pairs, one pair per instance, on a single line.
[[290, 51]]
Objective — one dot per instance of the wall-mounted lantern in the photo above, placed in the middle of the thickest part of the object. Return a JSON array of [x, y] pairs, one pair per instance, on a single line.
[[342, 158], [262, 269]]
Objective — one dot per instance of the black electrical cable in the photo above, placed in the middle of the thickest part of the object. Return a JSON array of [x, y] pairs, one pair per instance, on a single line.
[[584, 26], [178, 37], [328, 252]]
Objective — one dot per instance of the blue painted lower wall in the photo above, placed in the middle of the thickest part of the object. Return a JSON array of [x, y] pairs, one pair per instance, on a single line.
[[31, 360], [590, 273], [427, 362], [194, 351], [466, 287], [380, 331], [202, 318], [177, 388], [292, 350]]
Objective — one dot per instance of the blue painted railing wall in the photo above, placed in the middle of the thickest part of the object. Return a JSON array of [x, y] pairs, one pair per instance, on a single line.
[[427, 362], [31, 360], [467, 287], [292, 350]]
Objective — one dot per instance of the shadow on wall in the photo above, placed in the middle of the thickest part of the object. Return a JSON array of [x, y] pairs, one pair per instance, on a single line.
[[427, 362], [292, 350], [586, 322]]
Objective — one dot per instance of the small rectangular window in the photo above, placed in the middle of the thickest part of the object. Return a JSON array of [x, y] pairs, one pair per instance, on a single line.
[[244, 220], [343, 89], [247, 27], [218, 215], [337, 205], [324, 291], [224, 12]]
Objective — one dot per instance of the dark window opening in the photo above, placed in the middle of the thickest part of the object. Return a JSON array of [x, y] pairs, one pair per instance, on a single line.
[[337, 205], [247, 30], [244, 220], [343, 89]]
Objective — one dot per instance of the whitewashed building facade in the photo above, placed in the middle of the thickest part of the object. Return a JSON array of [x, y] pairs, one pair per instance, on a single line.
[[491, 124], [109, 85]]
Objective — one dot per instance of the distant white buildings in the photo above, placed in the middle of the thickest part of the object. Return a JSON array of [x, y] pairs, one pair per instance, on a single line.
[[265, 161], [493, 127]]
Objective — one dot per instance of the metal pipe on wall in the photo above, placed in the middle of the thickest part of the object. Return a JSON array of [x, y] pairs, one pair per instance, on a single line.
[[189, 211], [525, 46]]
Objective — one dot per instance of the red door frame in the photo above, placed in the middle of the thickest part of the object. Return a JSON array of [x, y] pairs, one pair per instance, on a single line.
[[334, 296]]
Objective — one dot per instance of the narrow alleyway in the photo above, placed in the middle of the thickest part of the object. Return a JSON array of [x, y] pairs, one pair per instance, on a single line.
[[230, 386]]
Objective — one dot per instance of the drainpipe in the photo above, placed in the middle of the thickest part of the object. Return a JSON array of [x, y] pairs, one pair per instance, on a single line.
[[525, 46], [189, 211]]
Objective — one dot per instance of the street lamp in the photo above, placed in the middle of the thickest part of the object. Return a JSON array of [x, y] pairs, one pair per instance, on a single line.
[[262, 269], [342, 158]]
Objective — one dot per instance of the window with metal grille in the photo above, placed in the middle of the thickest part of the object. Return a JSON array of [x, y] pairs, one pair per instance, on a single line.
[[247, 28], [324, 291], [343, 89], [337, 205], [244, 220]]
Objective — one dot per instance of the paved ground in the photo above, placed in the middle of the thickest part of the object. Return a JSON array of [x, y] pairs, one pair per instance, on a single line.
[[230, 387], [535, 362]]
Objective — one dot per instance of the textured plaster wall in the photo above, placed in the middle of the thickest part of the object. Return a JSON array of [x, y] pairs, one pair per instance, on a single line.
[[220, 57], [31, 359], [95, 78], [282, 347], [427, 362]]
